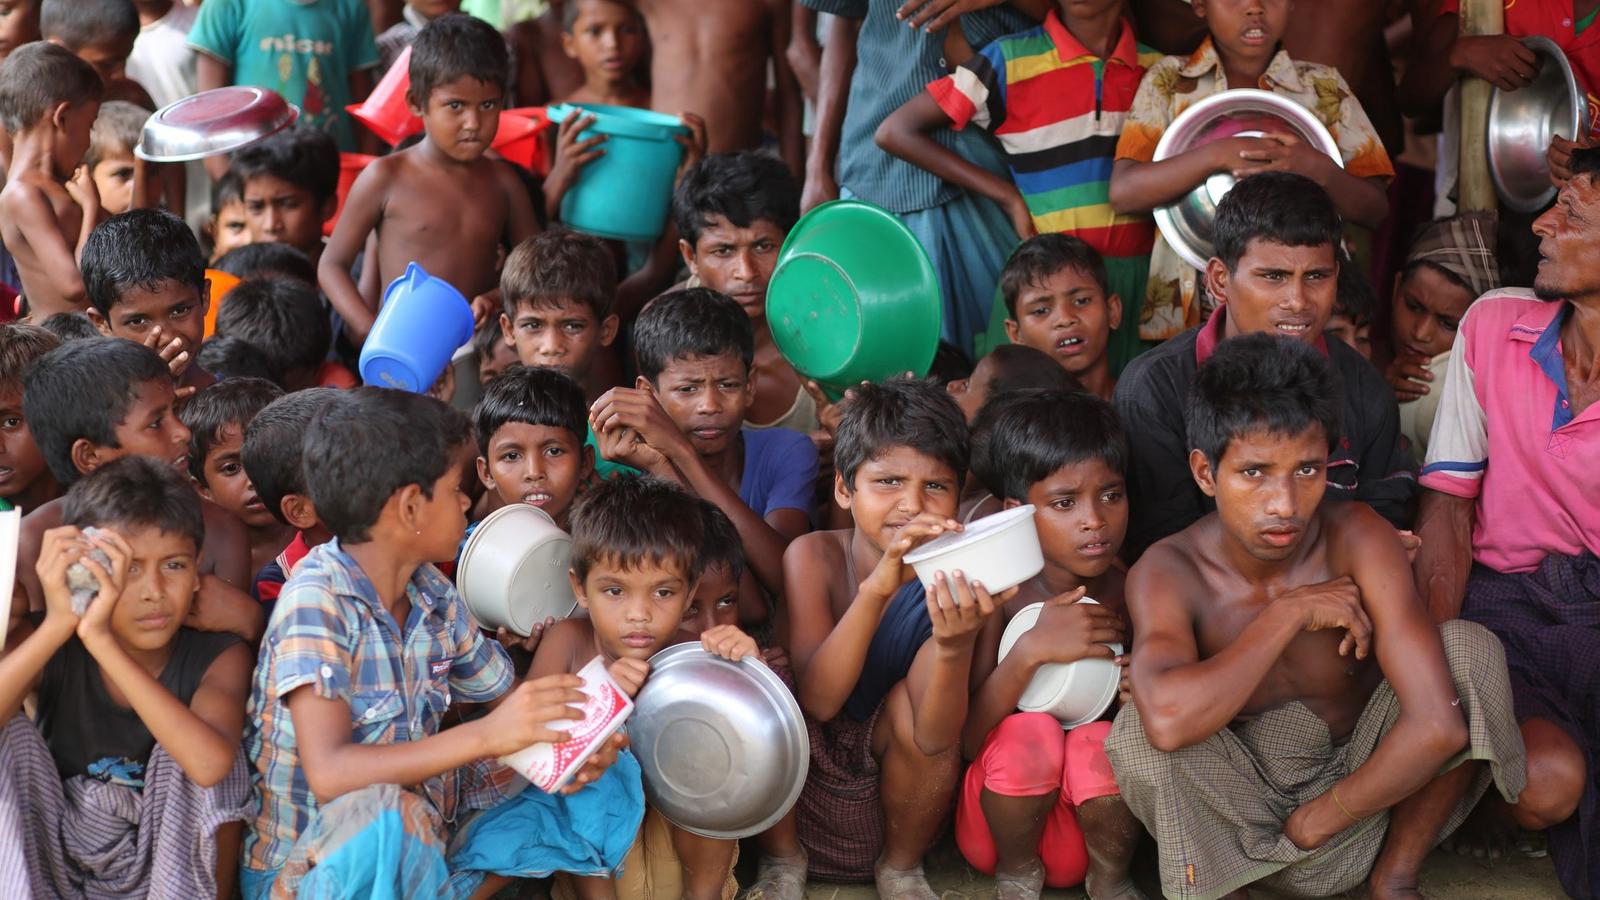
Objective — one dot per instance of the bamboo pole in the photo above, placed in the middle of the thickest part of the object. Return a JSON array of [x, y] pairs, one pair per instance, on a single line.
[[1476, 190]]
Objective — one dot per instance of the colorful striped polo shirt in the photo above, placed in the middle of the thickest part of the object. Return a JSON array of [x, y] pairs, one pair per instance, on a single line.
[[1057, 111]]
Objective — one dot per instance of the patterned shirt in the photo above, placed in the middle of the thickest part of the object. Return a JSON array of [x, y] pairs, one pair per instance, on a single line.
[[1505, 435], [1172, 302], [330, 631]]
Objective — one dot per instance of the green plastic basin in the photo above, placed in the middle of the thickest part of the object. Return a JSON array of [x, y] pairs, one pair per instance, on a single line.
[[853, 297]]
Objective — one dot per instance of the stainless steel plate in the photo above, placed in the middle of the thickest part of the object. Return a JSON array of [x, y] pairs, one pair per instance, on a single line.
[[214, 122], [1522, 122]]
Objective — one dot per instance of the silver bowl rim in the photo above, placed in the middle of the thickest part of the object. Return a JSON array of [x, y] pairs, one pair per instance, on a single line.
[[799, 737], [1547, 49], [1245, 99], [140, 152]]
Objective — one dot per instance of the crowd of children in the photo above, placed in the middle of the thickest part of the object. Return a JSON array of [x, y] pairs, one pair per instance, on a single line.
[[1333, 501]]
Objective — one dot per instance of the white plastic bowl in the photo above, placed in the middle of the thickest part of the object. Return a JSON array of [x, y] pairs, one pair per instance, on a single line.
[[1001, 550], [1075, 693], [513, 570]]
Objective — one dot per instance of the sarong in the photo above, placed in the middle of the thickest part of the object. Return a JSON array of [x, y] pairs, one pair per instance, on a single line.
[[840, 814], [1217, 808], [1549, 622], [91, 839]]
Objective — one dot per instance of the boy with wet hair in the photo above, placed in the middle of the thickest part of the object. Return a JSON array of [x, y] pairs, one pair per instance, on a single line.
[[217, 418], [249, 261], [559, 289], [636, 561], [132, 782], [70, 326], [289, 183], [48, 102], [883, 666], [459, 74], [231, 357], [92, 401], [1037, 805], [25, 480], [286, 320], [272, 455], [684, 421], [117, 130], [101, 33], [146, 280], [1059, 300], [530, 426], [1286, 669]]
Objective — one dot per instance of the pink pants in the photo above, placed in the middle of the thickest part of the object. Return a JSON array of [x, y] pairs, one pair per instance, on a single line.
[[1027, 755]]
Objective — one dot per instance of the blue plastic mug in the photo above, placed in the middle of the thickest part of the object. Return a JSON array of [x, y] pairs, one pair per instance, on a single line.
[[421, 324], [624, 194]]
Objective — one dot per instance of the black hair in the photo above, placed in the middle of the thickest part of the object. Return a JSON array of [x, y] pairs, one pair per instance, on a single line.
[[304, 156], [1018, 367], [71, 326], [723, 546], [556, 266], [742, 187], [233, 402], [533, 396], [1042, 256], [1279, 207], [457, 45], [1584, 161], [136, 492], [82, 390], [80, 23], [487, 337], [20, 345], [694, 322], [1355, 299], [876, 418], [371, 442], [37, 76], [227, 189], [233, 357], [284, 319], [274, 442], [140, 248], [1258, 382], [634, 520], [267, 260], [1019, 439], [571, 9]]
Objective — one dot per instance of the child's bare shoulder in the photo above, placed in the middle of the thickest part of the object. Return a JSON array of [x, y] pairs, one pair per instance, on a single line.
[[559, 649], [818, 547]]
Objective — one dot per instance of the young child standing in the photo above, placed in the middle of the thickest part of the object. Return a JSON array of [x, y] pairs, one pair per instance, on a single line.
[[684, 421], [884, 667], [135, 712], [217, 418], [459, 73], [1055, 97], [607, 40], [1059, 300], [1038, 805], [531, 425], [1242, 51], [369, 646], [48, 102], [116, 132], [25, 480]]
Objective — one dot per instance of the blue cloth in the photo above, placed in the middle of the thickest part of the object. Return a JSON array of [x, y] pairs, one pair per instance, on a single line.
[[780, 471], [902, 631], [535, 834]]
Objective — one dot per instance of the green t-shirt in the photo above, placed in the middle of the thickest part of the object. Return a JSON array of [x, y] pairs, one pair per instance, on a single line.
[[605, 467], [305, 50]]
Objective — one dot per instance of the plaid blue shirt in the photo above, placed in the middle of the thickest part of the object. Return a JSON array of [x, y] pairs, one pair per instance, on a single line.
[[330, 631]]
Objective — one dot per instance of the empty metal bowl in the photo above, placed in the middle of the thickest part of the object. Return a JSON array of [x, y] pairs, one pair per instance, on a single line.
[[213, 122], [1243, 112], [1522, 122], [722, 745]]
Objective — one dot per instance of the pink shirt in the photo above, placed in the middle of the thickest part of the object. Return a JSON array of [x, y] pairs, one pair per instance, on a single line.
[[1505, 434]]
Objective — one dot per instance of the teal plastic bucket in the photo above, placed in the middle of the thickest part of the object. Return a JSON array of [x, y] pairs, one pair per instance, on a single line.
[[626, 192], [422, 322]]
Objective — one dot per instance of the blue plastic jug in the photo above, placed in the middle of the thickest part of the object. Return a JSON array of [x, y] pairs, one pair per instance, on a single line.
[[421, 324], [625, 193]]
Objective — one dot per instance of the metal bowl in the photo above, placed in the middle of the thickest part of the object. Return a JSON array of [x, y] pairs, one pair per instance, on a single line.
[[1522, 122], [1243, 112], [513, 570], [722, 745], [214, 122]]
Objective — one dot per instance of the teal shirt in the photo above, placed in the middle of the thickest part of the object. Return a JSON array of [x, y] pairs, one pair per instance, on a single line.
[[605, 467], [305, 50]]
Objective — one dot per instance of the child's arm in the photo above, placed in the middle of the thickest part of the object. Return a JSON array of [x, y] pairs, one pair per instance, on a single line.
[[939, 680], [22, 667], [571, 153], [363, 209], [84, 192], [828, 673], [905, 134], [1142, 186], [787, 108], [211, 73], [521, 223], [833, 93], [34, 238], [1364, 201]]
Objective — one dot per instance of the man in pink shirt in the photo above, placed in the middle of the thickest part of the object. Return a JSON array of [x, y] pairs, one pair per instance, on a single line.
[[1510, 520]]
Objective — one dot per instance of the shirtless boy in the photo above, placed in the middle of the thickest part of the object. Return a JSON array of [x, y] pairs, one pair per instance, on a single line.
[[459, 72], [48, 102], [711, 56], [606, 39], [1286, 671]]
